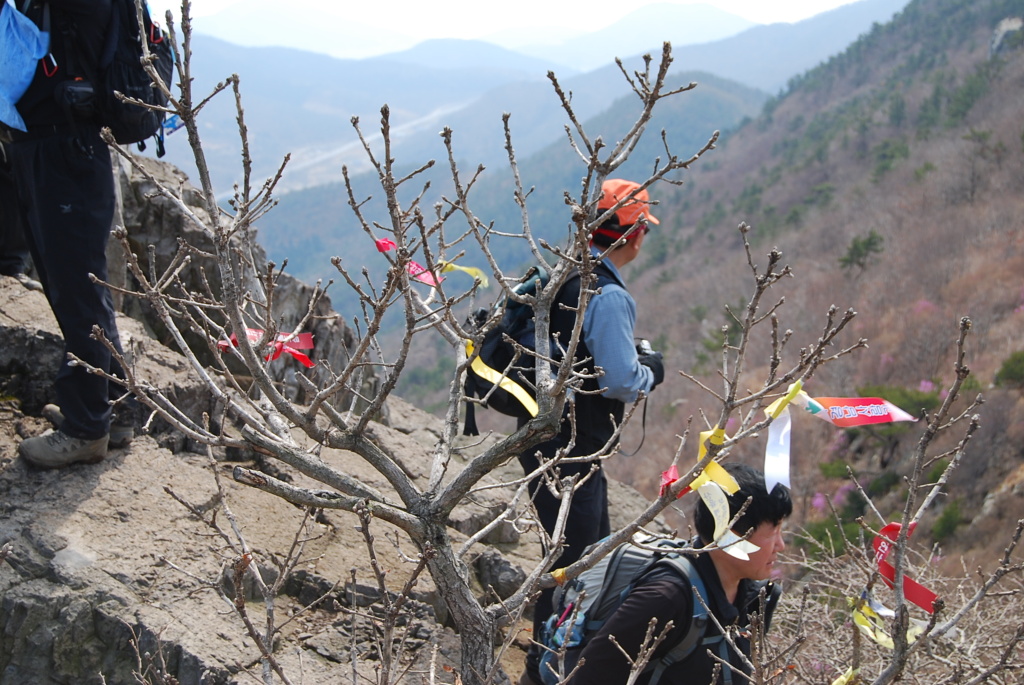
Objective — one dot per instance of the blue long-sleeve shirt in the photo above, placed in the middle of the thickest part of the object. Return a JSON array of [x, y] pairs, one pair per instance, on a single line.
[[608, 332]]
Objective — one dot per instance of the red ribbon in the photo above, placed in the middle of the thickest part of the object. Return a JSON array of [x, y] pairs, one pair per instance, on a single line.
[[284, 343], [912, 590], [417, 271], [668, 478], [422, 274]]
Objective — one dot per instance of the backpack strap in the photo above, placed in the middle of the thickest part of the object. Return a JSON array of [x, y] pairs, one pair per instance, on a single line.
[[469, 426], [698, 625], [593, 626], [698, 617]]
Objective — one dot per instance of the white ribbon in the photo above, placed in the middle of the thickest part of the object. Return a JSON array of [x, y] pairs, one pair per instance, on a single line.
[[776, 452], [717, 502]]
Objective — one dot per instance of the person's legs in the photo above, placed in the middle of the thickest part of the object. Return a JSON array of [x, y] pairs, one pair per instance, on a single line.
[[587, 523], [67, 197], [14, 256]]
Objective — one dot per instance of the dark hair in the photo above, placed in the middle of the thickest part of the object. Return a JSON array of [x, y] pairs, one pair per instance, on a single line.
[[611, 224], [763, 506]]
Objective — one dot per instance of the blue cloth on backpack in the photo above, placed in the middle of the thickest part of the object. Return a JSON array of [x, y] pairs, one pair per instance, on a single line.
[[22, 44]]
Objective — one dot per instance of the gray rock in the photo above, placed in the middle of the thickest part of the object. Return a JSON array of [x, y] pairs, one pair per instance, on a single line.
[[155, 226], [498, 574], [31, 351]]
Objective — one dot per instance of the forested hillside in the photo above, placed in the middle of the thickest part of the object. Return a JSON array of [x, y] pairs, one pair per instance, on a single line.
[[891, 179]]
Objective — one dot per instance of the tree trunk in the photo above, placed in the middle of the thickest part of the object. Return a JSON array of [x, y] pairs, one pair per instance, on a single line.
[[476, 627]]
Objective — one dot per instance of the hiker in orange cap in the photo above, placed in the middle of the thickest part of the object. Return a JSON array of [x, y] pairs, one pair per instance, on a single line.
[[628, 369]]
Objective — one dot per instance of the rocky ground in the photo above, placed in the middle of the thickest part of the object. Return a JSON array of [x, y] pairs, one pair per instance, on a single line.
[[140, 549]]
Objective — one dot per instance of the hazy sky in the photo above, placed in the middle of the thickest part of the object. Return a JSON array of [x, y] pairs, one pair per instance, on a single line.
[[475, 19]]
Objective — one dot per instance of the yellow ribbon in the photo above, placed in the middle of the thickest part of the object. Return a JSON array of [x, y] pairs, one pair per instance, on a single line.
[[775, 408], [714, 471], [714, 495], [559, 575], [504, 382], [476, 273], [871, 623]]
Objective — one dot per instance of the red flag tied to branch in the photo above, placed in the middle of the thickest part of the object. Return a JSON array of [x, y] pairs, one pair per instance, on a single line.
[[912, 590], [285, 343]]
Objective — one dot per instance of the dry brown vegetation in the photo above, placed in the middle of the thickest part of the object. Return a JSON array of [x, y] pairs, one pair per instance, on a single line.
[[953, 242]]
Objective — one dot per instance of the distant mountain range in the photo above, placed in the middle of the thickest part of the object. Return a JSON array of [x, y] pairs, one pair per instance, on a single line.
[[332, 31], [310, 226], [300, 103], [644, 29]]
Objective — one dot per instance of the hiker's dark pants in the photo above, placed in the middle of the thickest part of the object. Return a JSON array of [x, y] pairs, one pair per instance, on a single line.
[[66, 196], [14, 257], [587, 523]]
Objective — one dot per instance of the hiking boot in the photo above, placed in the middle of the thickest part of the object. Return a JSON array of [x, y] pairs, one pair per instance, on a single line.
[[121, 434], [54, 450]]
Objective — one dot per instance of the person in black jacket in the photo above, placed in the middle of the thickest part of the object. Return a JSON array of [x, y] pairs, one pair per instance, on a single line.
[[600, 405], [65, 186], [665, 596]]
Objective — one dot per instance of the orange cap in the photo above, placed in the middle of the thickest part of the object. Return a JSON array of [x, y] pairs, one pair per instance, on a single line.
[[615, 189]]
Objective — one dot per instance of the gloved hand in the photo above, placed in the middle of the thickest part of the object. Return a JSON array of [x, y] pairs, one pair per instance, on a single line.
[[655, 362]]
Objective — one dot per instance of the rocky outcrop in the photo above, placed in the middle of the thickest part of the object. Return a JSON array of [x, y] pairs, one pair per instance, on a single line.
[[107, 564], [155, 225], [33, 350], [104, 559]]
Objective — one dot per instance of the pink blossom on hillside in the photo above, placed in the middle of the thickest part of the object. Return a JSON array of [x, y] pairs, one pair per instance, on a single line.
[[839, 442], [839, 499]]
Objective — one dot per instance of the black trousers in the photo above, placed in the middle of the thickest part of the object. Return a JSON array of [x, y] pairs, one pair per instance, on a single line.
[[65, 190], [586, 524], [14, 257]]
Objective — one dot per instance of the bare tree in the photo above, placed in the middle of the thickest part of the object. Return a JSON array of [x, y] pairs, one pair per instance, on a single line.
[[237, 305], [244, 301]]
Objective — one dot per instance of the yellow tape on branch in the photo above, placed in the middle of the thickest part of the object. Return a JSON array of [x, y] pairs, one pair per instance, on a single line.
[[714, 471], [447, 267], [504, 382]]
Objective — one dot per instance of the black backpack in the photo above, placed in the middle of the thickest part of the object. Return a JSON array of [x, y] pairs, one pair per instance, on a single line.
[[120, 70], [496, 375], [505, 381], [582, 606]]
